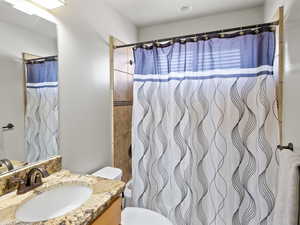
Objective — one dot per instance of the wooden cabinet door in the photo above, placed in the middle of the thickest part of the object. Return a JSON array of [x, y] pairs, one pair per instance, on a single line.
[[111, 216]]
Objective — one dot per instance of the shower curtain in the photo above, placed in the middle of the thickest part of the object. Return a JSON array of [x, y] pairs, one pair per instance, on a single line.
[[41, 119], [205, 129]]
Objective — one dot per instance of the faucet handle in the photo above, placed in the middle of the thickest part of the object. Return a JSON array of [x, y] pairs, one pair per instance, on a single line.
[[34, 177], [17, 181], [32, 180], [7, 163], [44, 172]]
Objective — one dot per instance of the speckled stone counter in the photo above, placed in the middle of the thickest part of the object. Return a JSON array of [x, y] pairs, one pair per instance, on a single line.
[[104, 193]]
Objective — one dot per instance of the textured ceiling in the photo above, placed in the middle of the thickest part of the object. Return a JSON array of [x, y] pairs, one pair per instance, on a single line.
[[149, 12]]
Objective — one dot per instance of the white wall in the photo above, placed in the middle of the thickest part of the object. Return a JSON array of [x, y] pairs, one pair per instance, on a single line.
[[85, 101], [291, 8], [14, 41], [270, 9], [203, 24], [291, 121]]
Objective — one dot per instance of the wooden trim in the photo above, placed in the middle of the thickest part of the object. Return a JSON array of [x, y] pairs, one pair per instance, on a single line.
[[111, 63], [111, 216], [281, 70], [24, 82], [111, 60]]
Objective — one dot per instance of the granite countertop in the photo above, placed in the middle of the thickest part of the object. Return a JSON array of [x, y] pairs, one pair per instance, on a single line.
[[104, 193]]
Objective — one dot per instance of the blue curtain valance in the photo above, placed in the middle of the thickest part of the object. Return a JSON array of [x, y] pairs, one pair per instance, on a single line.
[[42, 72], [241, 52]]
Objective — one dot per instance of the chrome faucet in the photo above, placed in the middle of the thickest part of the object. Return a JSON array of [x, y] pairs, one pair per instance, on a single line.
[[7, 163], [32, 180]]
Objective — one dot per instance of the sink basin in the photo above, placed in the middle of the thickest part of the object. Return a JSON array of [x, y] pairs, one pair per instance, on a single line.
[[53, 203]]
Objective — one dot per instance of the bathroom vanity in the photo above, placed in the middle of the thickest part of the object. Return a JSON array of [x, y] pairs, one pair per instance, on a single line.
[[98, 202]]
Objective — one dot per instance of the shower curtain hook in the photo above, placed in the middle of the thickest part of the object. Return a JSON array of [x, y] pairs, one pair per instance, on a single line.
[[257, 29], [241, 31], [222, 35], [156, 43]]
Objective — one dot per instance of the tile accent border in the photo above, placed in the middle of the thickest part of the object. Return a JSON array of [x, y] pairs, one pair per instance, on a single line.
[[52, 165]]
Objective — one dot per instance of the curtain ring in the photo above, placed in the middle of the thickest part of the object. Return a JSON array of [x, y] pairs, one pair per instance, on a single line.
[[257, 29], [222, 35], [241, 31]]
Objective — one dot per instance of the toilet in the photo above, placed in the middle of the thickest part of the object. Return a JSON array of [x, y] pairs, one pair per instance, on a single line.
[[132, 215], [109, 173]]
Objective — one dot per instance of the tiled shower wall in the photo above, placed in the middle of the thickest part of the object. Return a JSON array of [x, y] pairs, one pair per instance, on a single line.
[[122, 109]]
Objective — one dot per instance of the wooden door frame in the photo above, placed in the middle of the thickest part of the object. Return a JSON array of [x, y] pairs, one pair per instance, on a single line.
[[279, 16], [111, 64]]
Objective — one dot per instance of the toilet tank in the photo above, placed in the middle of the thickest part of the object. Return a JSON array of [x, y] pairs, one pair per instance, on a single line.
[[109, 173]]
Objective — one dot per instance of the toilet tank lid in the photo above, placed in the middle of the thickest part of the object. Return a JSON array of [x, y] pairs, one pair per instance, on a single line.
[[109, 173]]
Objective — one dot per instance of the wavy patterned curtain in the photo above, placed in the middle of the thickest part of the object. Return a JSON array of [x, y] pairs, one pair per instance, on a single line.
[[205, 130], [41, 119]]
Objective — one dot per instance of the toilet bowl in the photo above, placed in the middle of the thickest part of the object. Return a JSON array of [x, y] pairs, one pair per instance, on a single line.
[[132, 215], [139, 216]]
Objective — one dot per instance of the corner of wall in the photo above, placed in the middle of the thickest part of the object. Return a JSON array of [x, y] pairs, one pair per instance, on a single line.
[[85, 110]]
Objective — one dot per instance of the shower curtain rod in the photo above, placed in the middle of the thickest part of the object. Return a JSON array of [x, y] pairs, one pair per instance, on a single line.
[[42, 58], [201, 34]]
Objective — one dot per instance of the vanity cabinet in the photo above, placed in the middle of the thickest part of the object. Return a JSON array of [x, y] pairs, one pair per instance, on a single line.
[[111, 216]]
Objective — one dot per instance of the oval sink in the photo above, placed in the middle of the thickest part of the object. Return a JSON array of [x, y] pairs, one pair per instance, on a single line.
[[53, 203]]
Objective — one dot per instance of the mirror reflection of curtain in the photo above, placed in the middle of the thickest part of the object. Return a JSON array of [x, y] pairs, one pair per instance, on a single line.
[[41, 119]]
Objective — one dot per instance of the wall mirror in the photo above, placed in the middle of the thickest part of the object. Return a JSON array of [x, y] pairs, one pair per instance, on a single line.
[[29, 115]]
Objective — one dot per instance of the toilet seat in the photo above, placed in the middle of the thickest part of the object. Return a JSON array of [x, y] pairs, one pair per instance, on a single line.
[[140, 216]]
